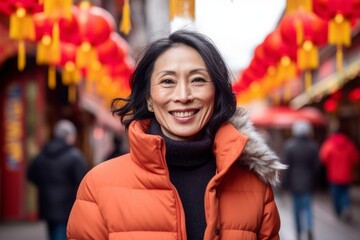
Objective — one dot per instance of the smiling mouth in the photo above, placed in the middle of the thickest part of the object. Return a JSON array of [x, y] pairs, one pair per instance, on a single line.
[[184, 114]]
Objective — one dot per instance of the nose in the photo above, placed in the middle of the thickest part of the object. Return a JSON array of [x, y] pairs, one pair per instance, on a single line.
[[183, 92]]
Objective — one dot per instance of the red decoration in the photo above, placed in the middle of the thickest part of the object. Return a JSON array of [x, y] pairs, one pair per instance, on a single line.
[[339, 14], [95, 24], [113, 50], [44, 26], [354, 95], [68, 53], [300, 26], [275, 47], [262, 58], [330, 105], [328, 9], [21, 24], [10, 6], [307, 31]]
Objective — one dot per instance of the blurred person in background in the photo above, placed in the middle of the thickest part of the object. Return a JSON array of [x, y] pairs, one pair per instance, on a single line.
[[197, 168], [340, 155], [57, 171], [117, 148], [301, 156]]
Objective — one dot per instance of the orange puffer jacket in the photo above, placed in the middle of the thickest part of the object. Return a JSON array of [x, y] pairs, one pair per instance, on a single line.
[[131, 197]]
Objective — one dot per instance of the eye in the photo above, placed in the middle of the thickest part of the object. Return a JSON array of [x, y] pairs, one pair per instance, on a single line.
[[198, 80], [167, 81]]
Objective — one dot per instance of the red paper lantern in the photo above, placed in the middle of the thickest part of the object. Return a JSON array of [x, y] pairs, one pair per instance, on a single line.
[[95, 26], [328, 9], [122, 70], [68, 53], [284, 54], [71, 75], [257, 68], [247, 77], [339, 14], [113, 50], [301, 26], [10, 6], [44, 33], [307, 31], [262, 58], [275, 47]]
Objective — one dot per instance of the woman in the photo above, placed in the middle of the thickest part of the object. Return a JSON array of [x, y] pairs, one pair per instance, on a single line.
[[196, 169]]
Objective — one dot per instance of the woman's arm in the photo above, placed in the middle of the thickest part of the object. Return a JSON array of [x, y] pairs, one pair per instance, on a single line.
[[270, 225], [85, 221]]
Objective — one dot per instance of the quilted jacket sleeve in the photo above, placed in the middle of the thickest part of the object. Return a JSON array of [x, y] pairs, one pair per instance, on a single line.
[[270, 225], [85, 221]]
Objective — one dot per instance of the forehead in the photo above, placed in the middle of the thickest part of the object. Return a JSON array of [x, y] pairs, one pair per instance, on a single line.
[[179, 53]]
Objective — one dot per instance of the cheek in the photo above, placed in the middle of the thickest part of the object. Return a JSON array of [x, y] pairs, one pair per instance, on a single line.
[[156, 96], [208, 97]]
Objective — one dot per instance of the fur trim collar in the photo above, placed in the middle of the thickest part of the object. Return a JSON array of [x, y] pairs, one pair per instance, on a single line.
[[257, 155]]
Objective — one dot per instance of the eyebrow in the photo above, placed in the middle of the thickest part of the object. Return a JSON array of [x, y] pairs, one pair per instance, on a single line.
[[165, 72]]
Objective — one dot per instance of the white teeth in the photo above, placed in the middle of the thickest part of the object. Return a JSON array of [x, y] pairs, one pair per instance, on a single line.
[[183, 114]]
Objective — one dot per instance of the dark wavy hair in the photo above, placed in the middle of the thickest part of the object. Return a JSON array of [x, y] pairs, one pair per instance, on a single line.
[[135, 106]]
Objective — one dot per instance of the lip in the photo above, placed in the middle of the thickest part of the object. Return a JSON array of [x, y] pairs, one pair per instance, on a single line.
[[184, 115]]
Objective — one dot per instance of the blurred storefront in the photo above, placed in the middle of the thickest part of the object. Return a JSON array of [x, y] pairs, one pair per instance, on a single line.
[[29, 110], [30, 103]]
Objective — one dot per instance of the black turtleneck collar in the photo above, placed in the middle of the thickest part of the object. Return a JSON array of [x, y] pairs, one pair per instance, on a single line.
[[191, 165], [186, 154]]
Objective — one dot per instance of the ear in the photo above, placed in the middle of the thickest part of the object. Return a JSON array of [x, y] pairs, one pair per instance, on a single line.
[[149, 105]]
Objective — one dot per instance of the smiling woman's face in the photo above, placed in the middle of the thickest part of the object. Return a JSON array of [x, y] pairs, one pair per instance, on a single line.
[[181, 93]]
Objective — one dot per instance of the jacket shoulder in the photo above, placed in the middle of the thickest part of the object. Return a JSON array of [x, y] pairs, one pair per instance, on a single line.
[[111, 171]]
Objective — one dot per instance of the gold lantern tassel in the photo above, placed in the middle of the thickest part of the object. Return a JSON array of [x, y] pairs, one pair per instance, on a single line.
[[291, 6], [67, 73], [21, 55], [287, 92], [339, 57], [188, 8], [58, 8], [72, 93], [308, 80], [299, 32], [172, 9], [125, 26], [21, 28], [339, 34], [55, 43], [85, 55], [21, 25], [305, 4], [52, 77], [43, 49], [308, 56], [67, 6]]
